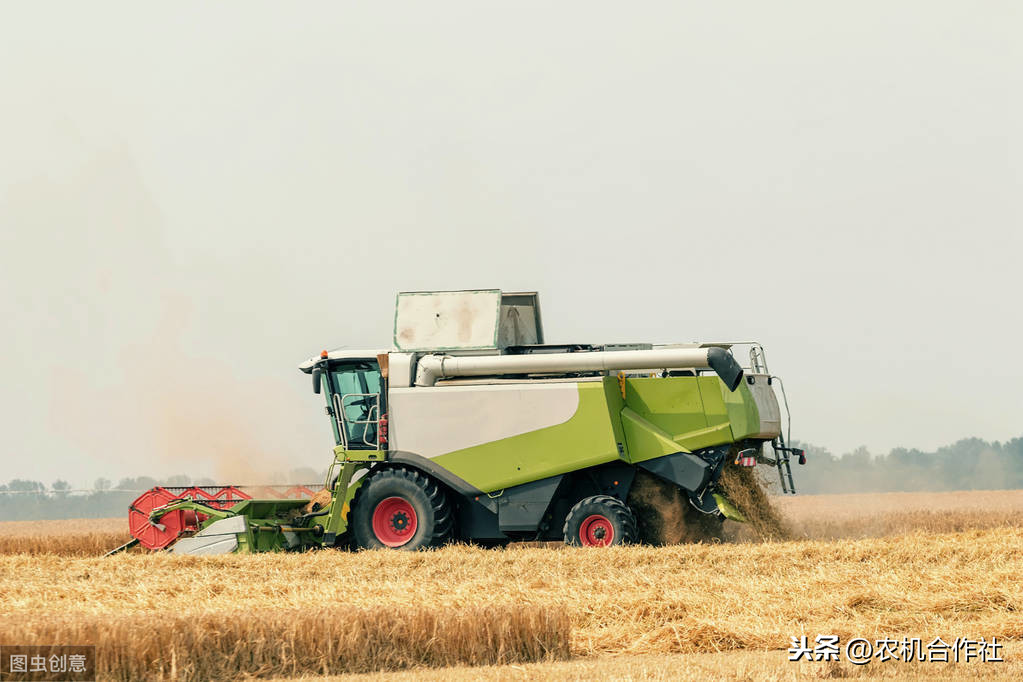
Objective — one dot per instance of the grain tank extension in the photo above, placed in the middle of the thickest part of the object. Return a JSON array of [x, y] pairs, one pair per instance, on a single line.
[[471, 427]]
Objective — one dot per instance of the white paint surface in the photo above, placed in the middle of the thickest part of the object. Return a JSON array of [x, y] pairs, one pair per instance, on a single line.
[[446, 319], [767, 406], [432, 421]]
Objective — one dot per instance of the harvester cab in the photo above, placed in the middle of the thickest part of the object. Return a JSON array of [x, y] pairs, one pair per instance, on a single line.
[[356, 402], [471, 427]]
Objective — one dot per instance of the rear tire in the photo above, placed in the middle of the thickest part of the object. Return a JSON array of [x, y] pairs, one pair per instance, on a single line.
[[600, 521], [400, 509]]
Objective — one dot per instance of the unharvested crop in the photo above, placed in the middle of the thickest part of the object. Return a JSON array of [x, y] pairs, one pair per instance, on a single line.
[[70, 537], [85, 544], [730, 666], [856, 505], [65, 526], [638, 601], [288, 642], [684, 598], [882, 514]]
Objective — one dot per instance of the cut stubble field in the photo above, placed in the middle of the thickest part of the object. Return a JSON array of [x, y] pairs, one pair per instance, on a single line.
[[631, 612], [809, 517]]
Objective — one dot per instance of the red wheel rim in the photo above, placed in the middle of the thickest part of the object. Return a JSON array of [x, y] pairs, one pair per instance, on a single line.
[[596, 531], [394, 521]]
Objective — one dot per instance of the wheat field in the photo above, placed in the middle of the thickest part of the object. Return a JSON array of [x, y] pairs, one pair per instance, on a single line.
[[812, 517], [69, 537], [733, 666], [65, 527], [216, 644], [922, 566]]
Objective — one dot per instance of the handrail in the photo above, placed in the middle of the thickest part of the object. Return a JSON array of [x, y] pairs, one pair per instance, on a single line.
[[374, 409]]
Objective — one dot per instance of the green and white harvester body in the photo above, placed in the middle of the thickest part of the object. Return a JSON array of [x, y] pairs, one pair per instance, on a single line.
[[471, 428]]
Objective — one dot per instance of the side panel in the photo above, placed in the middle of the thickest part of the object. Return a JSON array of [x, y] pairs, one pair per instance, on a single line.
[[585, 439], [437, 420], [673, 403], [684, 469], [675, 414], [713, 401], [400, 370], [615, 403], [741, 410], [218, 537], [646, 439], [672, 414], [522, 507], [767, 405]]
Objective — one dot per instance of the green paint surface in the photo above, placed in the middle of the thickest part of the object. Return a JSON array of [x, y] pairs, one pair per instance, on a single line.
[[673, 403], [737, 409], [742, 411], [688, 412], [615, 403], [586, 439], [646, 439], [657, 417]]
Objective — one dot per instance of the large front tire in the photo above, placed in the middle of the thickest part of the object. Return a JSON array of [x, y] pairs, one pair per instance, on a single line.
[[400, 509], [600, 521]]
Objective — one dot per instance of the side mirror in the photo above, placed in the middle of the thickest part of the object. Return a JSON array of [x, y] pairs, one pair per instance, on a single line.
[[317, 373]]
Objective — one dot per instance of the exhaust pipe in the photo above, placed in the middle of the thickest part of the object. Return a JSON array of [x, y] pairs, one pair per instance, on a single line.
[[430, 368]]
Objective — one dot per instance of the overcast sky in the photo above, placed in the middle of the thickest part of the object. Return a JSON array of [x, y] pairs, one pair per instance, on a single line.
[[196, 198]]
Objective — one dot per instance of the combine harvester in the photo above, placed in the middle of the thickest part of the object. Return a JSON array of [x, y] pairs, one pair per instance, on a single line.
[[472, 428]]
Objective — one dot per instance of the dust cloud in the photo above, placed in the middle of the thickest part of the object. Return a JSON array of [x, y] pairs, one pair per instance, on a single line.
[[665, 517], [105, 360]]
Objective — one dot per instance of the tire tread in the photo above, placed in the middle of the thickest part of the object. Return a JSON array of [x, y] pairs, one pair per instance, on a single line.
[[614, 507], [435, 496]]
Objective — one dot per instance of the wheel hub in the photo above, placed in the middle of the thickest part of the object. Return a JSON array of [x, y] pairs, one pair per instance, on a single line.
[[596, 531], [394, 521]]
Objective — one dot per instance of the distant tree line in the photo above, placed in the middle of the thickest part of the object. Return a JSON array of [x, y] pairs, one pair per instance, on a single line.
[[969, 464], [26, 500], [22, 500]]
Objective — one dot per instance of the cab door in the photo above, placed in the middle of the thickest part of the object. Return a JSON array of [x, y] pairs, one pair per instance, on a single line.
[[358, 402]]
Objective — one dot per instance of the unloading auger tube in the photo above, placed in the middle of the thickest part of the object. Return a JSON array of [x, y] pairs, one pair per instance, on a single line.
[[433, 367]]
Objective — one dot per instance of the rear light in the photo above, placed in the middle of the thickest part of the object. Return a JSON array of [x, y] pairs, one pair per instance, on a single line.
[[746, 458]]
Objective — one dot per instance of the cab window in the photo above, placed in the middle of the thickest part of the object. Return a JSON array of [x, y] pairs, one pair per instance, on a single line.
[[357, 385]]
